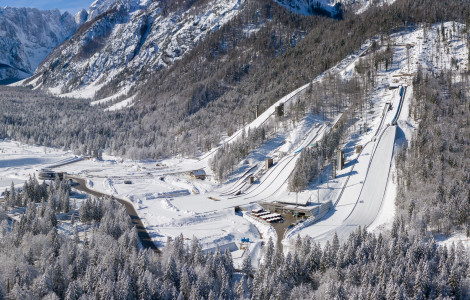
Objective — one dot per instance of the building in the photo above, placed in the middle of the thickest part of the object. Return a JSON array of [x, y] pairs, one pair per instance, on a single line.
[[287, 208], [198, 174], [48, 174], [269, 163]]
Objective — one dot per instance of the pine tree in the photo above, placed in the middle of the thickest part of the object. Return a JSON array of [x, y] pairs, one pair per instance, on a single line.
[[171, 272], [12, 195], [246, 264]]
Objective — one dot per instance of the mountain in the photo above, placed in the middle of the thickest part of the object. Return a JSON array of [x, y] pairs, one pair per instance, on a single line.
[[309, 7], [122, 43], [121, 38], [27, 36], [332, 8]]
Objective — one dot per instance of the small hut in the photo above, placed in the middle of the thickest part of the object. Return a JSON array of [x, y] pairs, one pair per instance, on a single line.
[[198, 174]]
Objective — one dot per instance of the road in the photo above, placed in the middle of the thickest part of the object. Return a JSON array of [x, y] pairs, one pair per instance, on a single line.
[[144, 236]]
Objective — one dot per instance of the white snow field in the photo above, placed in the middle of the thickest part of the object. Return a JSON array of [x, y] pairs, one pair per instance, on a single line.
[[171, 203], [18, 161]]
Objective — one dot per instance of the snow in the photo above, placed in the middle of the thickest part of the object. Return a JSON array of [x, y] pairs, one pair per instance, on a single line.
[[169, 38], [366, 4], [265, 117], [363, 193], [369, 194], [120, 105], [18, 161], [458, 238], [104, 100], [170, 203], [303, 7], [28, 36], [264, 229], [86, 92], [385, 217]]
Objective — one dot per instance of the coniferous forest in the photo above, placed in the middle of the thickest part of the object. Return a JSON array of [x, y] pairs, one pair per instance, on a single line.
[[162, 123], [403, 263], [107, 261]]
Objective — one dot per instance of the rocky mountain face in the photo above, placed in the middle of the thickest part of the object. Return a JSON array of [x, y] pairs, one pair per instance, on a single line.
[[124, 42], [121, 38], [27, 36]]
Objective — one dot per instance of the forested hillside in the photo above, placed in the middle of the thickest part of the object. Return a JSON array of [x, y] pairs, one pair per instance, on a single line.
[[433, 171], [255, 58]]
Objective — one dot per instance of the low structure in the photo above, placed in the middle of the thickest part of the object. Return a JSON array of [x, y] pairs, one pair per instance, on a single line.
[[276, 208], [359, 148], [198, 174], [232, 246], [340, 159], [268, 163], [280, 110], [48, 174]]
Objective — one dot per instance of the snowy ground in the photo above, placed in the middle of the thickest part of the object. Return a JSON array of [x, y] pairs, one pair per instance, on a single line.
[[170, 202], [18, 161], [369, 193], [455, 239]]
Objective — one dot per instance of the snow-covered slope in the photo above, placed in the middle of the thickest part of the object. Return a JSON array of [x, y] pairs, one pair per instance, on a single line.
[[122, 38], [366, 198], [308, 7], [360, 6], [27, 36], [331, 7]]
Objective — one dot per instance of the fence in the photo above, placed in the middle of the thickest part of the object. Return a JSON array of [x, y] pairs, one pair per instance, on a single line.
[[321, 212], [263, 227]]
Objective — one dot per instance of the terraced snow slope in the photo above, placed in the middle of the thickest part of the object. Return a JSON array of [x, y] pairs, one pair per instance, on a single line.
[[368, 188]]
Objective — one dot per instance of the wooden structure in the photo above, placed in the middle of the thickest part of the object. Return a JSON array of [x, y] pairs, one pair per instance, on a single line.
[[198, 174]]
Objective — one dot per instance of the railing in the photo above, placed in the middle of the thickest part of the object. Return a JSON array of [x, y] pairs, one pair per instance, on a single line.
[[322, 211], [260, 222]]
